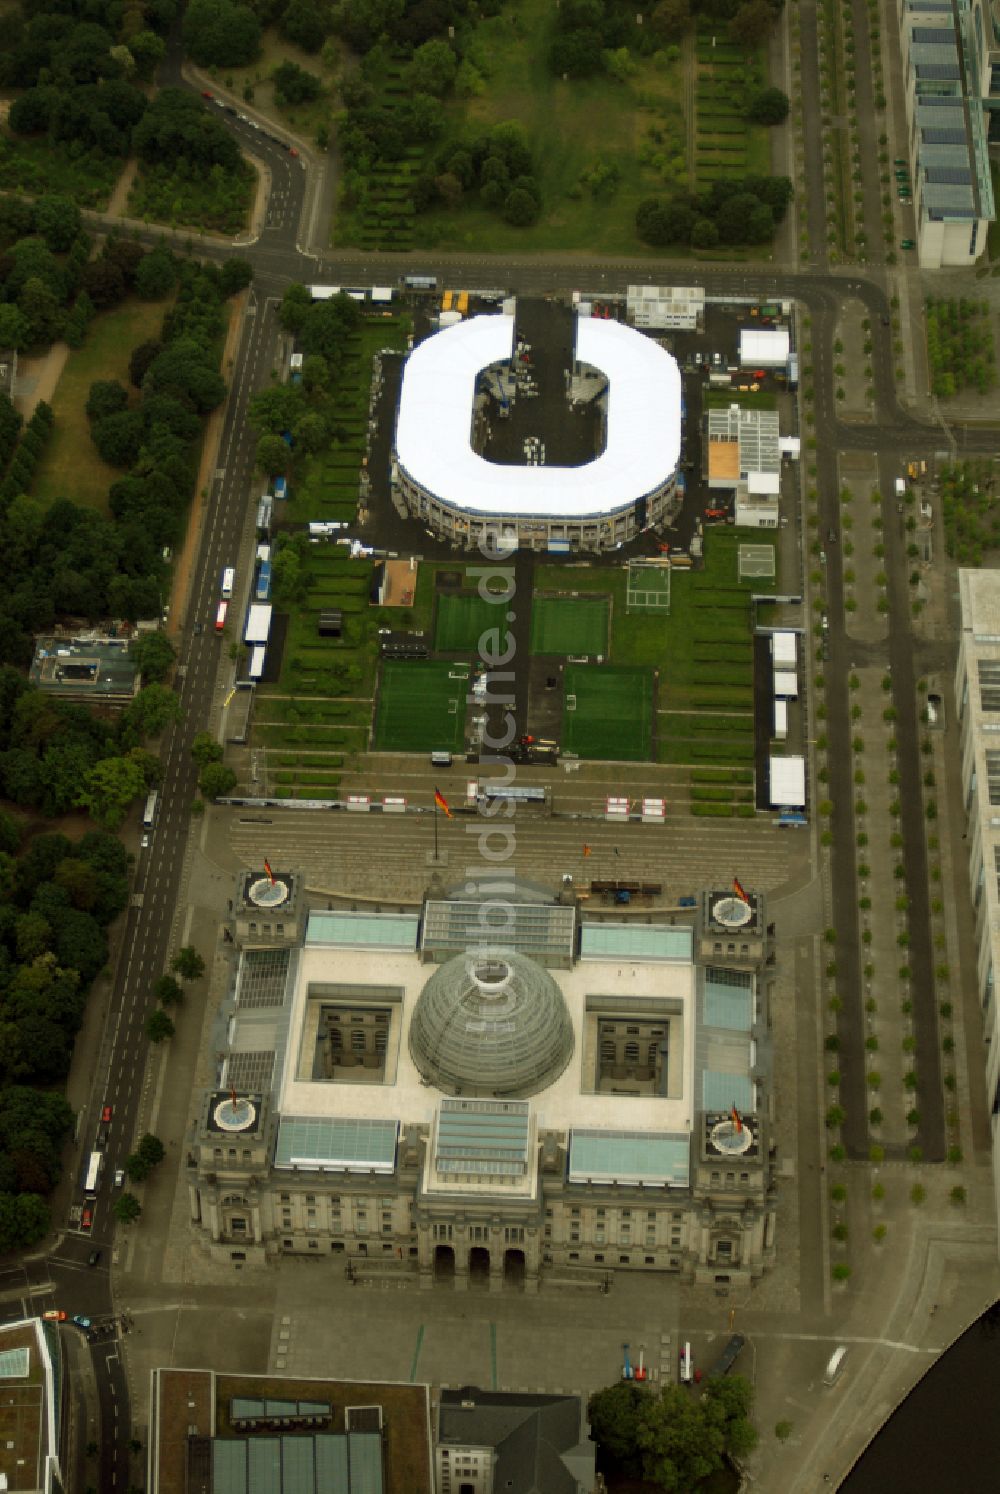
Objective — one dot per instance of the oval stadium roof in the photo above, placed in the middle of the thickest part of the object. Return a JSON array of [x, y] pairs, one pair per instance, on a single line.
[[434, 423]]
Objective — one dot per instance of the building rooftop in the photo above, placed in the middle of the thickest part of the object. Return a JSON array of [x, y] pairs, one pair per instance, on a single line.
[[433, 441], [85, 668], [538, 1439]]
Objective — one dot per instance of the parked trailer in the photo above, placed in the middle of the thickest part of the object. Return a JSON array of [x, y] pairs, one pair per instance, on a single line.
[[264, 581]]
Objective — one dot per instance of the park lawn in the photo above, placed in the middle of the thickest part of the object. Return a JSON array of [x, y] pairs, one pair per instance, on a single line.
[[612, 719], [571, 128], [70, 466], [421, 708], [569, 625]]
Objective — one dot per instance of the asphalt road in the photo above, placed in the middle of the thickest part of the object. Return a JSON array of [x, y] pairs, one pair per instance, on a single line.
[[290, 246]]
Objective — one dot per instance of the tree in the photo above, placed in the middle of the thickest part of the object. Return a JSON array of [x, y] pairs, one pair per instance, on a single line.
[[751, 25], [141, 358], [151, 1149], [271, 456], [305, 24], [153, 654], [58, 221], [215, 780], [109, 788], [769, 106], [168, 991], [156, 275], [520, 208], [678, 1449], [150, 712], [188, 963], [235, 275], [218, 33], [127, 1208], [159, 1027], [432, 69], [106, 397], [119, 437], [615, 1415], [147, 50], [41, 310], [294, 85], [205, 749], [670, 19], [14, 327]]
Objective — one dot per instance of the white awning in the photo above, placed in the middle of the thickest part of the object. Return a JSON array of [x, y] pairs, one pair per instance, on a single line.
[[764, 348], [788, 782], [434, 424]]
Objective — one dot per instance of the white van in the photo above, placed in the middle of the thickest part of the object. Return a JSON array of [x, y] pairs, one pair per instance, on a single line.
[[836, 1364]]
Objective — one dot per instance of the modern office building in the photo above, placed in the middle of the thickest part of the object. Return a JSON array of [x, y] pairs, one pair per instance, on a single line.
[[977, 692], [491, 1089], [33, 1396], [235, 1433], [948, 48], [457, 380]]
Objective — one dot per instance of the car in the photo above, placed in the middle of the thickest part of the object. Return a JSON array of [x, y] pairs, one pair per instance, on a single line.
[[900, 161], [198, 628], [93, 1257], [907, 244], [102, 1138], [87, 1218], [831, 536], [759, 373], [106, 1113], [885, 321], [206, 95], [292, 151], [119, 1177], [144, 843], [715, 513], [54, 1315], [663, 548], [81, 1322], [688, 901], [230, 110]]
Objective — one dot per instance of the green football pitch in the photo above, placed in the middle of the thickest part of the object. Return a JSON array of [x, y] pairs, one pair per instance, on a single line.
[[420, 707], [569, 625], [461, 622], [608, 712]]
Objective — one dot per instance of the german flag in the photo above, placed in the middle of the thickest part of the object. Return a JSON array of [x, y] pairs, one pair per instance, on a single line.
[[737, 1122], [440, 802], [270, 873], [588, 850], [738, 889]]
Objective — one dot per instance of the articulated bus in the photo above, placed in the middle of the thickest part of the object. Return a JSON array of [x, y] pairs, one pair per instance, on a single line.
[[220, 616], [93, 1175]]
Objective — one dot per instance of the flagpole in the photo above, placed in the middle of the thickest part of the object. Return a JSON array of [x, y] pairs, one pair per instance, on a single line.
[[435, 830]]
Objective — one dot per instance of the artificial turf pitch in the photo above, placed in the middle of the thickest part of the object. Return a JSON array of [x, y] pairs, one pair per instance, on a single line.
[[613, 718], [415, 712], [461, 622], [569, 625]]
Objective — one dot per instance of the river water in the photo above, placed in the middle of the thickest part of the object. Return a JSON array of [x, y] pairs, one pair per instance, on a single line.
[[945, 1437]]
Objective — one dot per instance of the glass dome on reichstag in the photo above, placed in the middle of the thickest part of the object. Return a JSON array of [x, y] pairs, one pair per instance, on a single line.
[[491, 1024]]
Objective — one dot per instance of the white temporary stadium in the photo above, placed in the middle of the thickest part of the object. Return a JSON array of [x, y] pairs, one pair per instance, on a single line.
[[461, 496]]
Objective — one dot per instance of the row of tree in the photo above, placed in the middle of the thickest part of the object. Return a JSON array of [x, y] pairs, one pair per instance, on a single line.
[[57, 898], [728, 212]]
